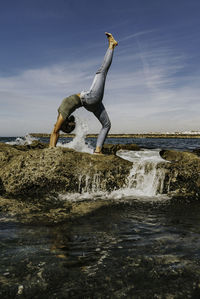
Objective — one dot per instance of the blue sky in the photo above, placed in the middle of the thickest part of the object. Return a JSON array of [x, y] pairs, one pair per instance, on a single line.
[[52, 49]]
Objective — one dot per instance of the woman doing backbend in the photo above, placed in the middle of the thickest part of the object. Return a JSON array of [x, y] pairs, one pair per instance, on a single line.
[[90, 100]]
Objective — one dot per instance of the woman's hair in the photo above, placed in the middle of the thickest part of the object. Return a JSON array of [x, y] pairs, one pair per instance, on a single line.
[[68, 125]]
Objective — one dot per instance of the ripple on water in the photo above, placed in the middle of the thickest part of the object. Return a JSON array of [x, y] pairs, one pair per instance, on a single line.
[[124, 249]]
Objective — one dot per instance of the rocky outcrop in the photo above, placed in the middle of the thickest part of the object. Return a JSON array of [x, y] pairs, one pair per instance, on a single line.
[[32, 177], [183, 176], [111, 149], [36, 170]]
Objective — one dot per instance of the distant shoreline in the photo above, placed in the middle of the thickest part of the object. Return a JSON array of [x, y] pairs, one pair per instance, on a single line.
[[146, 135]]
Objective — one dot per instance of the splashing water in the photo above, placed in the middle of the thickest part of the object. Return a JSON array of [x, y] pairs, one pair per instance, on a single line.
[[27, 139], [147, 175], [145, 180], [78, 143]]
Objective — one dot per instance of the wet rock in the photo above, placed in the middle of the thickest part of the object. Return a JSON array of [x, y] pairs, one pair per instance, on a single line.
[[34, 145], [197, 151], [183, 178], [32, 176], [113, 148], [2, 190], [37, 171]]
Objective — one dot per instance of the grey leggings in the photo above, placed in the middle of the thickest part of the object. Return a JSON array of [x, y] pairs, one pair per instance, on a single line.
[[92, 99]]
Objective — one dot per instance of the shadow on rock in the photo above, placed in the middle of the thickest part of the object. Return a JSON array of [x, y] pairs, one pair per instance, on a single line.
[[2, 189]]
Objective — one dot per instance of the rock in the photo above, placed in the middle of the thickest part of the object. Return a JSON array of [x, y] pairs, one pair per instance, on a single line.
[[49, 209], [113, 148], [39, 170], [173, 156], [197, 151], [34, 145], [2, 190], [32, 176], [34, 170], [183, 177]]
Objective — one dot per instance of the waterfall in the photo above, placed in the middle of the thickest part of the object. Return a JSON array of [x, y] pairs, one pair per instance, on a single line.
[[147, 175], [88, 184], [145, 180]]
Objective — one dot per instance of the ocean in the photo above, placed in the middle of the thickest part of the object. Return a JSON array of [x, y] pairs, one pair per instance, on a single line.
[[182, 144], [142, 244]]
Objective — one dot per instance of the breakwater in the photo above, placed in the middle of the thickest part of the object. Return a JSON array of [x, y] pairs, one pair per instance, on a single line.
[[145, 135]]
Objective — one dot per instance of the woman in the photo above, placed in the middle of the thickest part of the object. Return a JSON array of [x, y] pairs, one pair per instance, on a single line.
[[91, 100]]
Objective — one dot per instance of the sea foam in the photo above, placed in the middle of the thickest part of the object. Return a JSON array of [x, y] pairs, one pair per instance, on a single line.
[[27, 139], [78, 143]]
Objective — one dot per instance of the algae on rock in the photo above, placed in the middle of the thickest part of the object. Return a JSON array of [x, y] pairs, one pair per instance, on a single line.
[[39, 171], [183, 177]]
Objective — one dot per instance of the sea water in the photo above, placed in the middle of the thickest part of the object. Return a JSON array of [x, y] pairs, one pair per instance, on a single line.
[[141, 245]]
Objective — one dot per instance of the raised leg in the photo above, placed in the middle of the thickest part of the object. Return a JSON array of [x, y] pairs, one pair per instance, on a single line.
[[98, 84], [95, 94]]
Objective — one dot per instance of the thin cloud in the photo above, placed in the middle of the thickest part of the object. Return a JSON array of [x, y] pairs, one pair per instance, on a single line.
[[146, 94], [134, 35]]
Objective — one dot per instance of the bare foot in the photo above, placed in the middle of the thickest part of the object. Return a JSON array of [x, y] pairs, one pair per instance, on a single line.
[[112, 42], [97, 153]]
